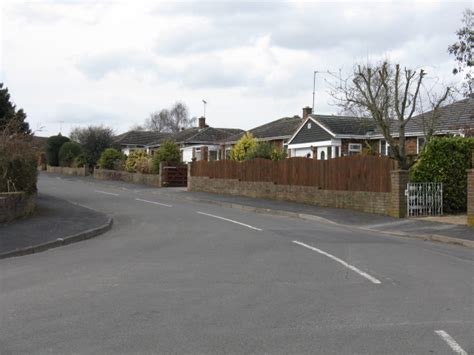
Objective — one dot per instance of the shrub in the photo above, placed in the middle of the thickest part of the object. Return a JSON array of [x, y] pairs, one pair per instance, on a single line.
[[278, 154], [168, 152], [68, 153], [94, 140], [80, 161], [111, 159], [18, 165], [138, 161], [446, 160], [53, 145], [245, 146], [261, 150]]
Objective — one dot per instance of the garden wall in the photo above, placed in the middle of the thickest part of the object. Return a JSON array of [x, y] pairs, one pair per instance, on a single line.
[[380, 191], [67, 171], [134, 178], [15, 205]]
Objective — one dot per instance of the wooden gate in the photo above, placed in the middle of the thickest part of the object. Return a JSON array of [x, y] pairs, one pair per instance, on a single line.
[[174, 176]]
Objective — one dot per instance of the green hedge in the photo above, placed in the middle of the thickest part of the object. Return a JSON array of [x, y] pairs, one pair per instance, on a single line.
[[446, 160], [18, 166], [53, 146], [111, 159], [68, 153]]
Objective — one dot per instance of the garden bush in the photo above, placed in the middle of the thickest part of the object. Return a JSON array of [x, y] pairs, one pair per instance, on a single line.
[[168, 152], [446, 160], [111, 159], [18, 165], [53, 146], [138, 161], [80, 161], [68, 153]]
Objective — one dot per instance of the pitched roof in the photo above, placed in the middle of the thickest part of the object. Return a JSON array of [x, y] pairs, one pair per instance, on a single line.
[[455, 116], [345, 125], [283, 127], [140, 137], [200, 135]]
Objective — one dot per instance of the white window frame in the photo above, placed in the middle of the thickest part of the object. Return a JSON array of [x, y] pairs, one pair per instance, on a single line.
[[387, 147], [352, 146], [308, 125]]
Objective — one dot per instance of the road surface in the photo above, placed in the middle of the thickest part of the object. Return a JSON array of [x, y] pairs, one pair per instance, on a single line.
[[175, 276]]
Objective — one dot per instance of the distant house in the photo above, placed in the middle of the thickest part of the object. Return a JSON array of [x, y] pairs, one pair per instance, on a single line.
[[134, 140], [325, 137], [199, 143], [276, 132]]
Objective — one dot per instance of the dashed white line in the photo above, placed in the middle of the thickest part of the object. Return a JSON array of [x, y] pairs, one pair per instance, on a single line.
[[451, 342], [229, 220], [153, 202], [351, 267], [106, 193]]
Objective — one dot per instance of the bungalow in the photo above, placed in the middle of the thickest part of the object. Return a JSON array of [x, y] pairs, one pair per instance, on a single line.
[[133, 140], [276, 132], [325, 137], [198, 143]]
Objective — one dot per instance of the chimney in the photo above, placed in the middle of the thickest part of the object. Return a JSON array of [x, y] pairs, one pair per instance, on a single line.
[[202, 122], [307, 111]]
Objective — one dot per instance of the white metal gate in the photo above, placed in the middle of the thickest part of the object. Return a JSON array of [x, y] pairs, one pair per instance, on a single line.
[[424, 199]]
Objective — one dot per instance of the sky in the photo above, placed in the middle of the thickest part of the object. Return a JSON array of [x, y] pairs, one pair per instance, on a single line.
[[77, 63]]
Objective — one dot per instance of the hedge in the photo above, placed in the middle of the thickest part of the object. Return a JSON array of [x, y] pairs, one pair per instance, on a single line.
[[53, 145], [68, 153], [446, 160]]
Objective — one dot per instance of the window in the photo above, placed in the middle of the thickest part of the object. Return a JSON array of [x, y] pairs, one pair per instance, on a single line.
[[355, 148], [336, 154], [227, 154], [212, 155], [385, 149], [329, 152], [420, 143], [197, 154], [309, 125], [323, 155]]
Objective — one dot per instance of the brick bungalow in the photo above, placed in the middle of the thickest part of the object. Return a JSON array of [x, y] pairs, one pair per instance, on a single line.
[[276, 132], [325, 137], [133, 140], [200, 143]]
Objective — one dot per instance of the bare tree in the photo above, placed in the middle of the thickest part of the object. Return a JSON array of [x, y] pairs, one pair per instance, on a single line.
[[390, 96], [172, 120]]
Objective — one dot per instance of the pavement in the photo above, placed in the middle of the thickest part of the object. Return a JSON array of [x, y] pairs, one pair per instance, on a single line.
[[54, 223], [176, 275]]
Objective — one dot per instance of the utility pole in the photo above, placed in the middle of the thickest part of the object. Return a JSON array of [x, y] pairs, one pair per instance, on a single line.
[[314, 86]]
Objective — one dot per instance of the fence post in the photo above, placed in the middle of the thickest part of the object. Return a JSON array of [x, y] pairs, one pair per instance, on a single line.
[[160, 172], [470, 194], [398, 205]]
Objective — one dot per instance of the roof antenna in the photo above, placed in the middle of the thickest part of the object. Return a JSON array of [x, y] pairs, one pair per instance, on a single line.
[[314, 86], [205, 103]]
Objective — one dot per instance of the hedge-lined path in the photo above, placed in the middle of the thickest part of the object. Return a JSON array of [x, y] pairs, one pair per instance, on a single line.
[[53, 219]]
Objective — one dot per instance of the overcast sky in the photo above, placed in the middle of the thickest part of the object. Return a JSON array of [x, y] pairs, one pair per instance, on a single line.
[[114, 62]]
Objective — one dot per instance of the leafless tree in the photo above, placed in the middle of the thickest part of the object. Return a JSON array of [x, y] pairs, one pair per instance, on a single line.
[[389, 95], [172, 120]]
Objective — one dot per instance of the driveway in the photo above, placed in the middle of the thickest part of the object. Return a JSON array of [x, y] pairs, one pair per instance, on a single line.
[[181, 276]]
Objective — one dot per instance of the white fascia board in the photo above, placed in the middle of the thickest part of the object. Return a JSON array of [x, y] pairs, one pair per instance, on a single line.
[[332, 142]]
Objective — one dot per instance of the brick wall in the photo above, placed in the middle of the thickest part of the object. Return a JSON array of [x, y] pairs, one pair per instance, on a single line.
[[470, 195], [133, 178], [373, 202], [15, 205], [67, 171]]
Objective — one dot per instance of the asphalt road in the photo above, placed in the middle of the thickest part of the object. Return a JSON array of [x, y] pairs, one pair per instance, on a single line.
[[175, 276]]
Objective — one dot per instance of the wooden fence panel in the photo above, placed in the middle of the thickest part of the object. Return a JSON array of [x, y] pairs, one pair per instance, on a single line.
[[353, 173]]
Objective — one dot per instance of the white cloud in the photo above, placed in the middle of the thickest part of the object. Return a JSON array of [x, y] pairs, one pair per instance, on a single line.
[[90, 62]]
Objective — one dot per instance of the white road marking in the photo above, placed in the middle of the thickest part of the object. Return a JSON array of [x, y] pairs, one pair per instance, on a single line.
[[229, 220], [153, 202], [353, 268], [106, 193], [451, 342]]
